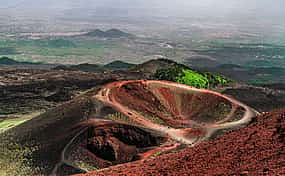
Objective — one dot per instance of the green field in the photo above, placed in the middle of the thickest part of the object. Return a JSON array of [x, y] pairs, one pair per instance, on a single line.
[[17, 119], [6, 124]]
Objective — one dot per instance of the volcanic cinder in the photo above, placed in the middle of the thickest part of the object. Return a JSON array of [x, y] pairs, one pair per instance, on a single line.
[[184, 113], [257, 149], [164, 116]]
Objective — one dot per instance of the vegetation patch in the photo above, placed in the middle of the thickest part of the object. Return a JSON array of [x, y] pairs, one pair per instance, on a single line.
[[184, 75], [16, 119], [14, 157], [7, 124], [121, 117]]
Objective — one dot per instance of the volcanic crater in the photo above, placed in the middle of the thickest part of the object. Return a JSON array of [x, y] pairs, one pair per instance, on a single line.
[[175, 109], [128, 121], [167, 116]]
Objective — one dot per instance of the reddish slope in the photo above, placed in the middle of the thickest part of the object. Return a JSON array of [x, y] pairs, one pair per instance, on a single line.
[[258, 149], [175, 109]]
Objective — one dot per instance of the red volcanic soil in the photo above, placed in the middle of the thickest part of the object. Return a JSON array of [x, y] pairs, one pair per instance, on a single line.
[[184, 113], [258, 149], [172, 103], [109, 143]]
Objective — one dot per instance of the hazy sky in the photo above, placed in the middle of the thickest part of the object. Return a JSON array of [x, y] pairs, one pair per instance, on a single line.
[[246, 12], [212, 7]]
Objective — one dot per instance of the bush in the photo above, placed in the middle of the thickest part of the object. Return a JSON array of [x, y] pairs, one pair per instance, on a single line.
[[192, 78], [183, 75]]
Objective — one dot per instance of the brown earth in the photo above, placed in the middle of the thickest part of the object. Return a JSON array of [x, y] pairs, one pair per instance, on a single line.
[[110, 143], [258, 149]]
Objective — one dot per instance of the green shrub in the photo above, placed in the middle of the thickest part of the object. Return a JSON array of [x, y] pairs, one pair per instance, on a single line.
[[192, 78], [184, 75]]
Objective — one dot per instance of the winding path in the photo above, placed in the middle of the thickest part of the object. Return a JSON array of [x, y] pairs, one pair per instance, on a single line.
[[108, 96], [63, 159]]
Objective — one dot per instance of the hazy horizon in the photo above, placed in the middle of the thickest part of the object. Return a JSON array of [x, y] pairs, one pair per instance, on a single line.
[[257, 17], [214, 8]]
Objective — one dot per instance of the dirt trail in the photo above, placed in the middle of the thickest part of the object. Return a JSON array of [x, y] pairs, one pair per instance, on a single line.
[[63, 159], [108, 96]]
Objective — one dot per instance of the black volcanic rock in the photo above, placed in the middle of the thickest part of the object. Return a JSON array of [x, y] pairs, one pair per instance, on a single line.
[[261, 99], [275, 86], [28, 90]]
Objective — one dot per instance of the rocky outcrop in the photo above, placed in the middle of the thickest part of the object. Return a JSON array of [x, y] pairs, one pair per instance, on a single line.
[[115, 143]]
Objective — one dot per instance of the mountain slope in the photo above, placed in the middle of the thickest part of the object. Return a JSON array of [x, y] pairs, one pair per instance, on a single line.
[[257, 149]]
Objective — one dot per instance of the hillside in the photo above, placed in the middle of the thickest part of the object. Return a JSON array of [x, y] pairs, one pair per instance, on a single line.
[[257, 149], [86, 67], [9, 61], [122, 118], [81, 67], [112, 33], [94, 132], [118, 65]]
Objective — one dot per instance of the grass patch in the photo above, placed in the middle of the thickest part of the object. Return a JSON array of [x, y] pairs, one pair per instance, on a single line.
[[156, 154], [155, 119], [121, 117], [16, 119], [7, 124], [85, 166]]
